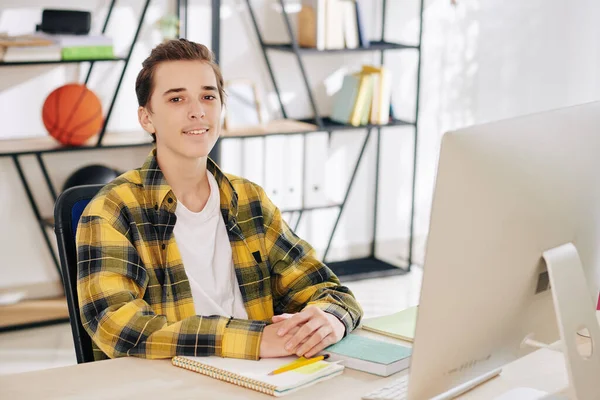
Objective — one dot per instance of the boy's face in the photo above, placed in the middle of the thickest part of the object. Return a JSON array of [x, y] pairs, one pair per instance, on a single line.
[[186, 108]]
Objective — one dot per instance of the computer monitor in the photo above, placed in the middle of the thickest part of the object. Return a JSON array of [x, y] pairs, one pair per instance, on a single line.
[[505, 192]]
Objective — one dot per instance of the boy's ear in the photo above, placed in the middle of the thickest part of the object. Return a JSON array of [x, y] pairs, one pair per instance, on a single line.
[[145, 120]]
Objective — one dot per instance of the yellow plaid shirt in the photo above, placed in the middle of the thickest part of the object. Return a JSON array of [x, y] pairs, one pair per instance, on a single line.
[[134, 294]]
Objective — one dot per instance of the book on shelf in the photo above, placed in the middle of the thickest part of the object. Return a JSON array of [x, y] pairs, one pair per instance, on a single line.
[[363, 40], [382, 85], [31, 53], [350, 24], [331, 25], [81, 47], [334, 25], [27, 48], [311, 24], [362, 107], [87, 52], [23, 40], [364, 98], [69, 40], [344, 99]]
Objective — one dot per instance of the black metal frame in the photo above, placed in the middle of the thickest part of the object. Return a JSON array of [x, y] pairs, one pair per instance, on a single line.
[[36, 210], [134, 40], [182, 6], [215, 153], [370, 266]]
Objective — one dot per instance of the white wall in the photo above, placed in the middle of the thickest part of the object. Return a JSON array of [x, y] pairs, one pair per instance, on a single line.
[[482, 60], [493, 59]]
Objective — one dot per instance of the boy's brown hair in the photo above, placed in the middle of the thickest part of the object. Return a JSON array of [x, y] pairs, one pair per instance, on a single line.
[[173, 50]]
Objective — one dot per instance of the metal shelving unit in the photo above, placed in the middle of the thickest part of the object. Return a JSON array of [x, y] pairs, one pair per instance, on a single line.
[[369, 266]]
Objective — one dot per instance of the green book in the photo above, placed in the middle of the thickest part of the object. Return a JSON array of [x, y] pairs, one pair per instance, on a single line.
[[401, 325], [370, 355], [87, 52], [344, 99]]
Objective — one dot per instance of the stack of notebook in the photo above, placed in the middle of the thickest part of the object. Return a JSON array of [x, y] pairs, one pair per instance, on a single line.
[[370, 355], [364, 98]]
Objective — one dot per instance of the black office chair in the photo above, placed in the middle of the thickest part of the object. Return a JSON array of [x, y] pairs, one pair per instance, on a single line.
[[67, 210]]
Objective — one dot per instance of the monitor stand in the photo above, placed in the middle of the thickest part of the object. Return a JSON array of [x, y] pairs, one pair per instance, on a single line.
[[575, 310]]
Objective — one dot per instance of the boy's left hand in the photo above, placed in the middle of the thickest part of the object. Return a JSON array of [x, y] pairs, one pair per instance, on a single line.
[[317, 331]]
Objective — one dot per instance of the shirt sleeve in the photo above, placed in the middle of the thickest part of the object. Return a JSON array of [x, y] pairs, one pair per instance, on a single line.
[[111, 282], [298, 278]]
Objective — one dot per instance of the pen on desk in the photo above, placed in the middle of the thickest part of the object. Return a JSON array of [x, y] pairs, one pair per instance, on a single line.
[[301, 362]]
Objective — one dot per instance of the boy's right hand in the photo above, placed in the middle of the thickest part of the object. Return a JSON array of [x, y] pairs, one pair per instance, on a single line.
[[272, 345]]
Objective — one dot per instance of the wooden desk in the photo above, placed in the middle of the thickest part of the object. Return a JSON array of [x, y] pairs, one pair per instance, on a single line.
[[133, 378]]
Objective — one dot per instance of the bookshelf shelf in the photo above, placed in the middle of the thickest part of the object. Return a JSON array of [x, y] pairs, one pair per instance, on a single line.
[[330, 125], [374, 46], [25, 63], [47, 144]]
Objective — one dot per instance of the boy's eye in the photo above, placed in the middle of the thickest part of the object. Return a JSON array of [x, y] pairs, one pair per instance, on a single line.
[[210, 97], [175, 100]]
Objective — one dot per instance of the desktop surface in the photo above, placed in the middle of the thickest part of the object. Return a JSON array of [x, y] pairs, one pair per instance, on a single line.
[[131, 378]]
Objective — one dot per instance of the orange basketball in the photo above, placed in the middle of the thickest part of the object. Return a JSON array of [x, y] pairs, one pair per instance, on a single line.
[[72, 114]]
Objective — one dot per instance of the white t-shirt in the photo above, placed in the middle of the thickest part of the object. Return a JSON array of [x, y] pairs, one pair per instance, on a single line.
[[206, 254]]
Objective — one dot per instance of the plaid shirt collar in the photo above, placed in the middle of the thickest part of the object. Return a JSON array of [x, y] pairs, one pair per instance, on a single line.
[[155, 183]]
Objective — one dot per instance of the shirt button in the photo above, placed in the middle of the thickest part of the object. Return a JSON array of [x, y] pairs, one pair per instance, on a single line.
[[170, 200], [156, 207], [163, 246]]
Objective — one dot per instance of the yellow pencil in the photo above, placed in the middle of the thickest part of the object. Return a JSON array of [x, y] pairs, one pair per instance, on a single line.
[[300, 362]]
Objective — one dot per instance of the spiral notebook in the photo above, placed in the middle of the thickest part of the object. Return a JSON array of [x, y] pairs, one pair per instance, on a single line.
[[254, 374]]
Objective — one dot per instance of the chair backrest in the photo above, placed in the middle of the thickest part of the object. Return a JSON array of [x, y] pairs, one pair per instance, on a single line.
[[67, 210]]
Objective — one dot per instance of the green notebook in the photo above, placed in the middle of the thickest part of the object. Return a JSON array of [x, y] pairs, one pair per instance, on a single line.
[[87, 52], [400, 325], [370, 355]]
